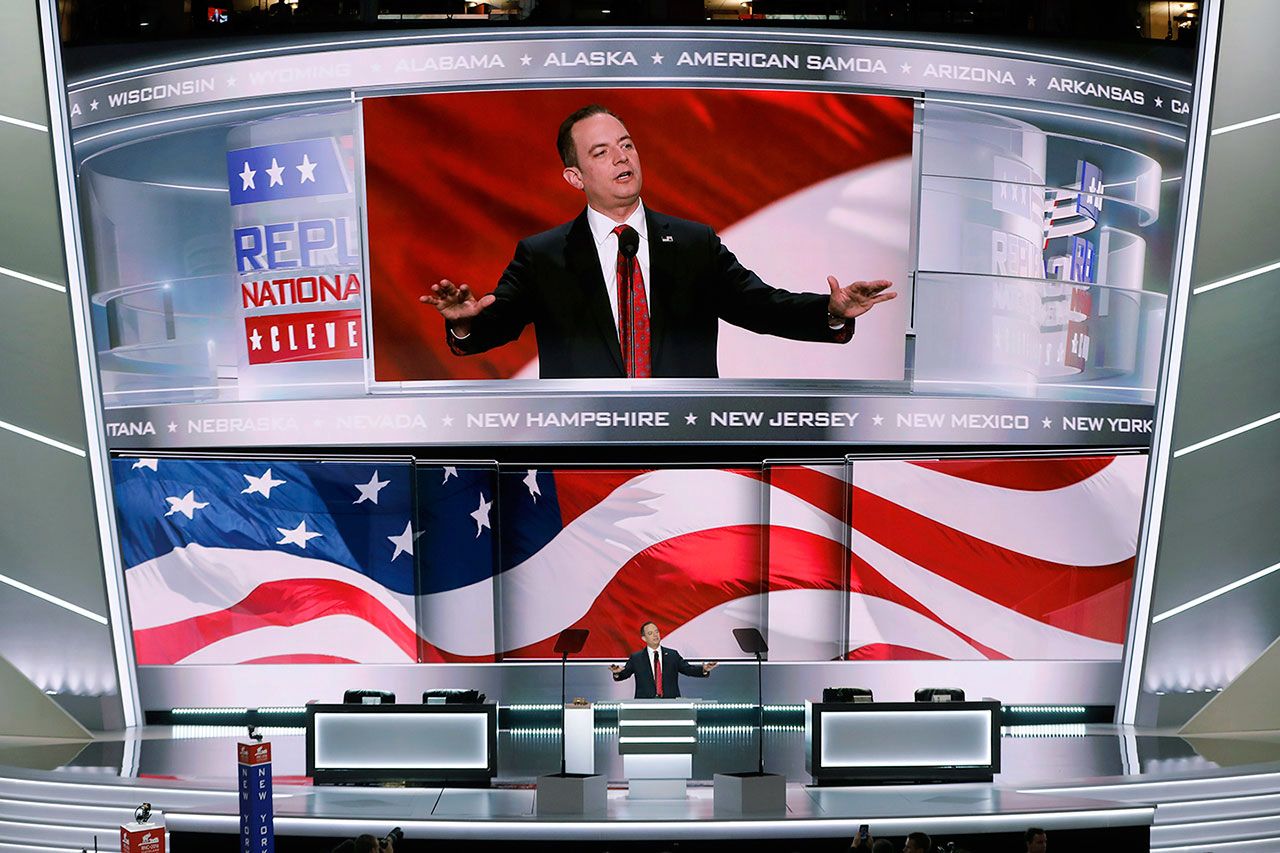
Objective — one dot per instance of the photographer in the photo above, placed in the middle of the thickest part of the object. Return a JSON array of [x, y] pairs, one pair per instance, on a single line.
[[372, 844]]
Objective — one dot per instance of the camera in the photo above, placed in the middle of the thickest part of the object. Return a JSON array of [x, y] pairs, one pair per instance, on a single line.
[[395, 836]]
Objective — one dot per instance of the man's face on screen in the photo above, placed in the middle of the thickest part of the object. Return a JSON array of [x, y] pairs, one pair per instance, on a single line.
[[608, 169]]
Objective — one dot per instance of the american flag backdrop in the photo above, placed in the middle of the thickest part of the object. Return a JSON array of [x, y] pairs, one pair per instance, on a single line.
[[268, 561], [965, 559], [874, 560]]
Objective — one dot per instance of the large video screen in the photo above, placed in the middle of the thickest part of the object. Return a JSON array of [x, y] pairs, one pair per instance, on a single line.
[[259, 233], [826, 193]]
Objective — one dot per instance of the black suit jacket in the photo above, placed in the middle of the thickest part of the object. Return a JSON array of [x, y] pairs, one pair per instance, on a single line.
[[555, 282], [640, 665]]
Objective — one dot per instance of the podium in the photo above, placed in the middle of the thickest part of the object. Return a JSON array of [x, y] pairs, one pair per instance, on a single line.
[[657, 739], [579, 739]]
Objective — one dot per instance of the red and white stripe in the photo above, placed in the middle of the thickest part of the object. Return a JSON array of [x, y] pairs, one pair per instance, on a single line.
[[197, 604]]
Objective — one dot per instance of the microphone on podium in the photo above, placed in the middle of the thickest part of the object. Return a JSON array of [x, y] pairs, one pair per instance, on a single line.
[[628, 246], [629, 242]]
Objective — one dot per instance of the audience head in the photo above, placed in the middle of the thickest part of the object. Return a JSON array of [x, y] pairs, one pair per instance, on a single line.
[[917, 842], [1036, 839]]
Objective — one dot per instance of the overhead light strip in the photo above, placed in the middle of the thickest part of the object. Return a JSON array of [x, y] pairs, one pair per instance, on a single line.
[[1231, 433], [1209, 596], [53, 599], [43, 439], [30, 279], [1244, 276], [1241, 125], [18, 122]]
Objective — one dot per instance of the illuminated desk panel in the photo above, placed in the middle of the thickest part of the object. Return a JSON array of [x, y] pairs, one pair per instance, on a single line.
[[402, 743], [854, 742]]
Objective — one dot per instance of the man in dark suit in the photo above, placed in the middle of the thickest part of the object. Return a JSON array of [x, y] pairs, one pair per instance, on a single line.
[[654, 665], [622, 291]]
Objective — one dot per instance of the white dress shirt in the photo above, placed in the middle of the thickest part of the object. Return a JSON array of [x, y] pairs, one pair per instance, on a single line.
[[607, 248], [649, 652]]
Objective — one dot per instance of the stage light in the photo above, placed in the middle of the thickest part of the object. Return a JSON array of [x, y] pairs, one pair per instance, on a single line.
[[1045, 709], [187, 712]]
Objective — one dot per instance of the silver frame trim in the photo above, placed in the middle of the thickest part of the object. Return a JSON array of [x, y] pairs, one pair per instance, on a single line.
[[1135, 649], [95, 433]]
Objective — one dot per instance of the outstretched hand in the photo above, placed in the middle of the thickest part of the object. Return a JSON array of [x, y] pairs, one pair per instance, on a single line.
[[456, 303], [614, 668], [857, 297], [708, 666]]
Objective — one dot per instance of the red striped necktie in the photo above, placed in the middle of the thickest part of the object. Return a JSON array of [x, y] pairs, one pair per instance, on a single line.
[[633, 317], [657, 673]]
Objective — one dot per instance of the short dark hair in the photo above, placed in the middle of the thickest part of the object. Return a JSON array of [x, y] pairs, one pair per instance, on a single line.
[[366, 844], [644, 625], [921, 840], [564, 138], [1031, 833]]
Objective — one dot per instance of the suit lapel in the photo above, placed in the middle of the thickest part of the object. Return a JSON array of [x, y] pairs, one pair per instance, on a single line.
[[584, 264], [661, 275]]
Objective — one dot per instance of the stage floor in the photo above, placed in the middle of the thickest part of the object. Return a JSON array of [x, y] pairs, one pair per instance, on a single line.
[[1219, 793]]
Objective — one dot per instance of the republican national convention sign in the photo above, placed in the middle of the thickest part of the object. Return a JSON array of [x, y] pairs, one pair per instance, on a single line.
[[231, 562], [297, 250]]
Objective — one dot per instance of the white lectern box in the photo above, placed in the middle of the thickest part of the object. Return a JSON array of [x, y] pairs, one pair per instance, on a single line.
[[579, 739], [657, 739]]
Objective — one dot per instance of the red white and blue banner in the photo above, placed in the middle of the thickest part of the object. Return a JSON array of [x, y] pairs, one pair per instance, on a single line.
[[312, 562]]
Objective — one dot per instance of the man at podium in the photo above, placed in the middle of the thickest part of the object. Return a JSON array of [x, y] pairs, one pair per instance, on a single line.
[[657, 669]]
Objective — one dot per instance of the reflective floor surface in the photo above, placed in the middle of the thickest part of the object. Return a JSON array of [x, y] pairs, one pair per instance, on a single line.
[[1219, 793]]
